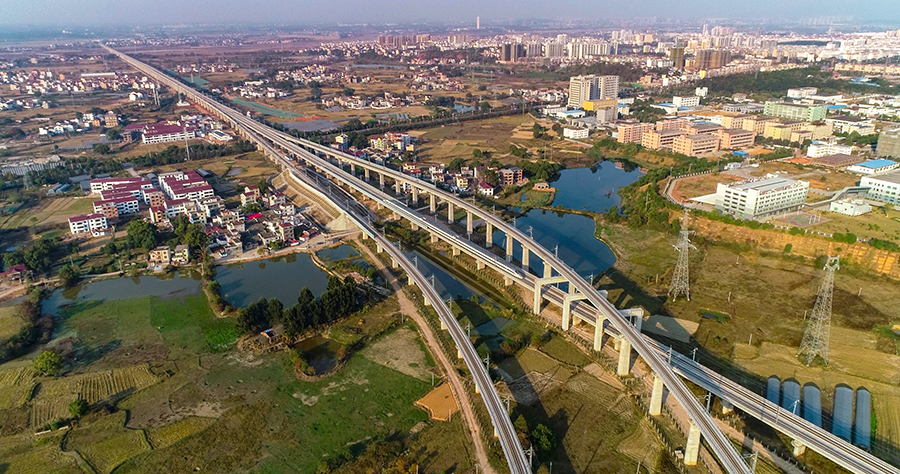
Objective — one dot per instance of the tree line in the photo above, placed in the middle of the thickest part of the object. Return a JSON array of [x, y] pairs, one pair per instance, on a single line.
[[338, 301]]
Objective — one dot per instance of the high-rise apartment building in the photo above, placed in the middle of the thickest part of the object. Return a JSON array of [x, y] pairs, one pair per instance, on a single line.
[[707, 59], [581, 90], [587, 88], [889, 143], [677, 57], [608, 87], [554, 49]]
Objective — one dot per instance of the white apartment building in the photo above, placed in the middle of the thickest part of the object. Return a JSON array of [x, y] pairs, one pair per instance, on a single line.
[[125, 205], [106, 184], [802, 92], [819, 149], [883, 187], [88, 223], [685, 101], [576, 133], [759, 197]]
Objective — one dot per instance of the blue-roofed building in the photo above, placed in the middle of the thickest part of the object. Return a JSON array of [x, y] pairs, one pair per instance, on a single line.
[[570, 114], [873, 166]]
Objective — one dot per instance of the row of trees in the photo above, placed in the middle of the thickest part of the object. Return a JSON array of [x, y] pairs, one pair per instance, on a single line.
[[338, 301], [37, 257]]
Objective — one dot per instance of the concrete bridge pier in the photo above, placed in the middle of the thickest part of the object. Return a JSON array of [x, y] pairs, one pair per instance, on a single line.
[[567, 309], [656, 396], [378, 248], [799, 448], [443, 325], [432, 203], [637, 316], [525, 258], [692, 448], [381, 180], [415, 196], [538, 285], [507, 280], [469, 227], [548, 270], [459, 353], [397, 185], [413, 226], [427, 303], [509, 248], [434, 239], [727, 408], [366, 173], [624, 367], [479, 265], [450, 213], [455, 251], [598, 333], [489, 235], [394, 263]]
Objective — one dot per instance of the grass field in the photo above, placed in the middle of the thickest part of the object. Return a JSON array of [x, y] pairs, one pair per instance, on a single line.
[[167, 435], [183, 396], [10, 322], [106, 442], [873, 224], [48, 211], [442, 144], [265, 109]]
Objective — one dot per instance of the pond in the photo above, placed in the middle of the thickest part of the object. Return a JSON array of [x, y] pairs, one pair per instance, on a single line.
[[592, 189], [320, 353], [338, 253], [280, 277], [573, 233], [170, 284]]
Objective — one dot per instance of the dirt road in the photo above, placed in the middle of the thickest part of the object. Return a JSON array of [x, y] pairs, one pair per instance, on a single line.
[[408, 308]]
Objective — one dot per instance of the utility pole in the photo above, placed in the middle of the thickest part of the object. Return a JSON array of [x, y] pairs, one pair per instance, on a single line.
[[818, 329]]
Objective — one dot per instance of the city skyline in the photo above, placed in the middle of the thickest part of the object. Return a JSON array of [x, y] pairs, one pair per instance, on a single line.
[[108, 13]]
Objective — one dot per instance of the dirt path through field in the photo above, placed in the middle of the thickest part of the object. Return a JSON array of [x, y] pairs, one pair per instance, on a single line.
[[408, 308]]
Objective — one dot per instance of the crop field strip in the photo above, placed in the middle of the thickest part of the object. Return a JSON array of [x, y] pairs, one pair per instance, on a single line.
[[53, 397], [16, 386]]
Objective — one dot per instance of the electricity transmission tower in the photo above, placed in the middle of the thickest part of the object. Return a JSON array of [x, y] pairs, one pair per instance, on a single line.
[[680, 280], [818, 329]]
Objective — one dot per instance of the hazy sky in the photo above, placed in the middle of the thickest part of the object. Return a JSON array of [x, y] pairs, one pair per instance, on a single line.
[[298, 12]]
